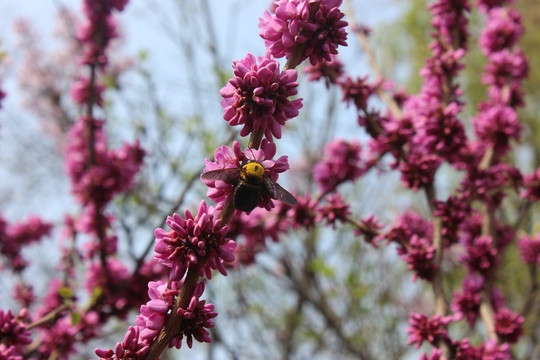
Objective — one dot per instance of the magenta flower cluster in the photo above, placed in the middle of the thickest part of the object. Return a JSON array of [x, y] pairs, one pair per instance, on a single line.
[[341, 162], [257, 97], [197, 240], [316, 26], [13, 334], [13, 237]]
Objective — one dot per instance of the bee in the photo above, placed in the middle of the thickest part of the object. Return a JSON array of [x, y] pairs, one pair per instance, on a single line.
[[250, 184]]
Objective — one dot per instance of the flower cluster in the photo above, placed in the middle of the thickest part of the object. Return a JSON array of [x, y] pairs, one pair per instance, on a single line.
[[330, 71], [257, 97], [13, 334], [13, 237], [197, 240], [98, 29], [529, 249], [341, 162], [316, 28], [427, 329], [98, 175]]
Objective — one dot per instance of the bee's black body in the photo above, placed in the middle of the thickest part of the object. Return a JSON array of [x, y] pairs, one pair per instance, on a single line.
[[247, 196]]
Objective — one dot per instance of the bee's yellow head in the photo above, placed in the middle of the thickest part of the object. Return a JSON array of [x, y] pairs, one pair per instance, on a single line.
[[253, 172]]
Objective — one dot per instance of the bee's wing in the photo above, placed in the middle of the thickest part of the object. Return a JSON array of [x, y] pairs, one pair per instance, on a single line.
[[279, 193], [229, 176]]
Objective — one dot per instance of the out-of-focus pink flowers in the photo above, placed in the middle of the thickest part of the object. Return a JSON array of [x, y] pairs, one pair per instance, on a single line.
[[315, 25], [330, 71], [529, 249], [257, 97], [99, 174], [199, 240], [427, 329], [502, 31], [418, 254], [509, 325], [13, 237], [341, 162], [466, 304], [496, 126], [13, 334]]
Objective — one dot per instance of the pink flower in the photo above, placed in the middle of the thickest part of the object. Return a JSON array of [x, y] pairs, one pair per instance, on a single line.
[[481, 255], [508, 325], [82, 92], [489, 350], [503, 65], [341, 162], [452, 212], [503, 30], [450, 21], [318, 26], [305, 213], [435, 355], [97, 178], [199, 240], [529, 249], [496, 125], [370, 229], [407, 225], [427, 329], [358, 91], [153, 315], [15, 236], [197, 317], [258, 96], [531, 184], [418, 254], [467, 303], [13, 332], [225, 157], [335, 210], [330, 71], [130, 348], [418, 170]]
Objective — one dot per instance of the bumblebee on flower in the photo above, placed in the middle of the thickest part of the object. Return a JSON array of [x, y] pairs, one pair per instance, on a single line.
[[248, 178]]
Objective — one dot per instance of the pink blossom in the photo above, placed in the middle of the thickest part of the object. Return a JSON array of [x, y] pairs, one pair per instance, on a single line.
[[407, 225], [509, 325], [341, 162], [466, 304], [529, 249], [225, 157], [99, 174], [418, 254], [317, 26], [503, 30], [13, 333], [257, 97], [82, 92], [330, 71], [152, 316], [427, 329], [450, 21], [252, 231], [496, 125], [305, 213], [481, 255], [504, 65], [452, 213], [199, 240], [15, 236], [418, 170], [435, 355], [370, 229], [335, 210], [358, 91], [531, 185], [486, 5], [131, 347], [197, 317], [489, 350]]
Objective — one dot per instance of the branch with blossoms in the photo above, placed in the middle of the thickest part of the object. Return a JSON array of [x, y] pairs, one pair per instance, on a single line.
[[465, 233]]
